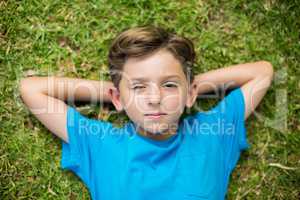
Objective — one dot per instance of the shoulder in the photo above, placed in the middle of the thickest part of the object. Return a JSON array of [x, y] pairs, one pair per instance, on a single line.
[[232, 105], [90, 128], [226, 113]]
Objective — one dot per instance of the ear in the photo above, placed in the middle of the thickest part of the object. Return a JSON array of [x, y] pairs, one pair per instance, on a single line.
[[192, 95], [114, 94]]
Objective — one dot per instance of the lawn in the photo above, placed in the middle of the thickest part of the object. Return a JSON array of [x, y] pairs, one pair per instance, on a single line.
[[71, 38]]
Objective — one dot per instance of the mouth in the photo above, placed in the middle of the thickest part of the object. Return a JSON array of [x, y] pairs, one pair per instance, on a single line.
[[155, 115]]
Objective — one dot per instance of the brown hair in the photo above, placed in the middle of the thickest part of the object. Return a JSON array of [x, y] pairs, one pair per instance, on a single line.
[[145, 40]]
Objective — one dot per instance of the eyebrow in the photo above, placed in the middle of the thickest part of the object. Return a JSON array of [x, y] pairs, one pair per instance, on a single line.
[[144, 79]]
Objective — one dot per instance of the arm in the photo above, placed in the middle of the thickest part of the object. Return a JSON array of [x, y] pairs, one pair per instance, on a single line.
[[45, 96], [253, 78]]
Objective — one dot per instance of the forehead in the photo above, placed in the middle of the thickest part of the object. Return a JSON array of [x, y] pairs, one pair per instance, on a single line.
[[161, 65]]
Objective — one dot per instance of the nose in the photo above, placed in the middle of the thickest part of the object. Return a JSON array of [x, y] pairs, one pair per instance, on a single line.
[[154, 95]]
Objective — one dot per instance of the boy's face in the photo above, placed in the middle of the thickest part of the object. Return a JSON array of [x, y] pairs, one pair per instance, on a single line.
[[153, 92]]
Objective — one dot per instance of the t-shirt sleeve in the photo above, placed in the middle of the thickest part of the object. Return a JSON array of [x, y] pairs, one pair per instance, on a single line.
[[230, 112], [83, 135]]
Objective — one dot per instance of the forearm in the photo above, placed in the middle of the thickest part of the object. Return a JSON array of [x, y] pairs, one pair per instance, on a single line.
[[232, 76], [68, 89]]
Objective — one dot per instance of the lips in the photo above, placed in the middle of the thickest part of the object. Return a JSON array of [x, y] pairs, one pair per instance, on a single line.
[[155, 115]]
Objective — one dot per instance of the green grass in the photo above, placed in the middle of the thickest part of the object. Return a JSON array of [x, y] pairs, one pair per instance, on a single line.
[[72, 39]]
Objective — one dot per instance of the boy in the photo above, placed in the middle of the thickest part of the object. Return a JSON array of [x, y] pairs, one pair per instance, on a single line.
[[155, 155]]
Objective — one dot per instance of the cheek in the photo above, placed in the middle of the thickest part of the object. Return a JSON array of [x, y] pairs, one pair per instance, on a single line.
[[136, 104], [173, 103], [139, 101], [130, 101]]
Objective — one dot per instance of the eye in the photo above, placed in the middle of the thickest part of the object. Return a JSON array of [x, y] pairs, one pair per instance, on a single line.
[[138, 87], [170, 85]]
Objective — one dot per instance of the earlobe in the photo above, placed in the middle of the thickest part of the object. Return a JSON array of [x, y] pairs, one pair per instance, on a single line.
[[115, 98]]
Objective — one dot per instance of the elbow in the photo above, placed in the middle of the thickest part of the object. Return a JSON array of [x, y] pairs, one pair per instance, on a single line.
[[23, 86], [26, 86], [266, 72], [267, 69]]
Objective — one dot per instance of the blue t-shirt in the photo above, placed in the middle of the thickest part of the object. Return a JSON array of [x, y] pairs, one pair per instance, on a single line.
[[195, 163]]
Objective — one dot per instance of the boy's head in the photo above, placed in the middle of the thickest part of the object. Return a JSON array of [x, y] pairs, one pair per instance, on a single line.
[[144, 41], [151, 72]]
